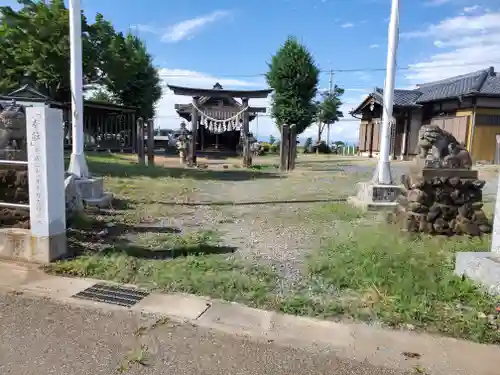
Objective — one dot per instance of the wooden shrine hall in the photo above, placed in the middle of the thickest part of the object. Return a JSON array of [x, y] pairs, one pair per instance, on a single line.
[[219, 123]]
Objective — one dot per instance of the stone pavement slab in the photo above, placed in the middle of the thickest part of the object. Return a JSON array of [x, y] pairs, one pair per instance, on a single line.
[[179, 305]]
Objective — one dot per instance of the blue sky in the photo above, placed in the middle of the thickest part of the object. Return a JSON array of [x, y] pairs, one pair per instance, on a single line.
[[197, 43]]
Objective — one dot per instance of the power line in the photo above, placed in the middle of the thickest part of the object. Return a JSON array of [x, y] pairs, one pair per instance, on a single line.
[[354, 70], [259, 115]]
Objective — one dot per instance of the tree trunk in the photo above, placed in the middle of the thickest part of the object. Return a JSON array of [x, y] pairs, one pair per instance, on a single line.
[[292, 136], [318, 141], [140, 141], [320, 130], [284, 148], [151, 143]]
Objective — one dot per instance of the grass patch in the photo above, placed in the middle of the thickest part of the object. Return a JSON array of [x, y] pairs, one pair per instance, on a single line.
[[135, 357], [174, 241], [260, 167], [377, 274], [219, 276], [216, 276], [338, 211]]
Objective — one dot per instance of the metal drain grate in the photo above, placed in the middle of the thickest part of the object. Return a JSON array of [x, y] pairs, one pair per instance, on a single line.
[[112, 294]]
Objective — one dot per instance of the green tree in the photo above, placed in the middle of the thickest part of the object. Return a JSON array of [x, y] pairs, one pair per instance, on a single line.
[[328, 109], [139, 85], [272, 139], [34, 43], [294, 77], [101, 95]]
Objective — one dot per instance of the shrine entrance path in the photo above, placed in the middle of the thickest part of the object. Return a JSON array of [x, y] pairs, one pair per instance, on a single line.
[[267, 217], [279, 221]]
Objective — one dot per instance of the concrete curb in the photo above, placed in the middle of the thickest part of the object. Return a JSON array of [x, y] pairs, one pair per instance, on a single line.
[[363, 343]]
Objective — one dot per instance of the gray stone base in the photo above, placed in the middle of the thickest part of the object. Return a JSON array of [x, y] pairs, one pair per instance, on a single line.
[[372, 196], [483, 268], [372, 206], [92, 191], [19, 244], [104, 201]]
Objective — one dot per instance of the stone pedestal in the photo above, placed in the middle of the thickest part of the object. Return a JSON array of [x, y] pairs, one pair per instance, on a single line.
[[443, 201], [92, 192], [372, 196]]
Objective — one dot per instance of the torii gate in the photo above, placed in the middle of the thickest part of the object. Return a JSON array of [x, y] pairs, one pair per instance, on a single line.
[[235, 117]]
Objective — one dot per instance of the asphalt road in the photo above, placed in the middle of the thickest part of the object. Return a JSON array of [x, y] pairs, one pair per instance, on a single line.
[[40, 337]]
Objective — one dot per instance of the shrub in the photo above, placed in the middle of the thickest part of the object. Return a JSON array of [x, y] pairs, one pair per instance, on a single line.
[[265, 147], [322, 148], [308, 146], [275, 147]]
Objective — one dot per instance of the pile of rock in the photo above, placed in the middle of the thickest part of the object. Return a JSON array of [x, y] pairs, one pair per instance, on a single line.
[[444, 205]]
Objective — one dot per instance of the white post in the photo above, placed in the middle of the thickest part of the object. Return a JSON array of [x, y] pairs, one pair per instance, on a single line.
[[383, 171], [78, 163], [45, 133]]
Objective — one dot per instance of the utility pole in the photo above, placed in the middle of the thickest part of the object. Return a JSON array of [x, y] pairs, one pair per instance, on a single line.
[[383, 172], [328, 125]]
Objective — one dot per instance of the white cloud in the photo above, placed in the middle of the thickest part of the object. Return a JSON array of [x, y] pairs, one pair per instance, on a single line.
[[347, 129], [188, 28], [437, 2], [472, 8], [463, 44], [374, 46], [146, 29], [347, 25]]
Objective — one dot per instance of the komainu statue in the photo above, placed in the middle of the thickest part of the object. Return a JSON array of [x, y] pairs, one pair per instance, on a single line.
[[13, 128], [441, 149]]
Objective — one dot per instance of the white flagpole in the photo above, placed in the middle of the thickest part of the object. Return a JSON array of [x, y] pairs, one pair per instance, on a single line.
[[383, 171], [78, 163]]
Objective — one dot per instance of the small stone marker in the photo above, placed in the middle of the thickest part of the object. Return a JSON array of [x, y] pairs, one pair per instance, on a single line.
[[46, 182], [484, 267], [495, 237]]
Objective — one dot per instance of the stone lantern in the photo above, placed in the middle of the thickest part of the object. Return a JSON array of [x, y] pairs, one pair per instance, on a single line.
[[183, 143]]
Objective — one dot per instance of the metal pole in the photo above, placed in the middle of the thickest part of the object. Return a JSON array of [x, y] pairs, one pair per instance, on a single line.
[[78, 163], [383, 171], [328, 125]]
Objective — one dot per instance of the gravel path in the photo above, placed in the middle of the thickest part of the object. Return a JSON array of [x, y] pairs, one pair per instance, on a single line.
[[260, 219], [263, 217]]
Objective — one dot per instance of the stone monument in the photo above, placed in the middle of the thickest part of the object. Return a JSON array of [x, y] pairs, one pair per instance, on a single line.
[[442, 195], [45, 241]]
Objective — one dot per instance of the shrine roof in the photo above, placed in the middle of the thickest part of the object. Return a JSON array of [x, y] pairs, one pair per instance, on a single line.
[[217, 92]]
